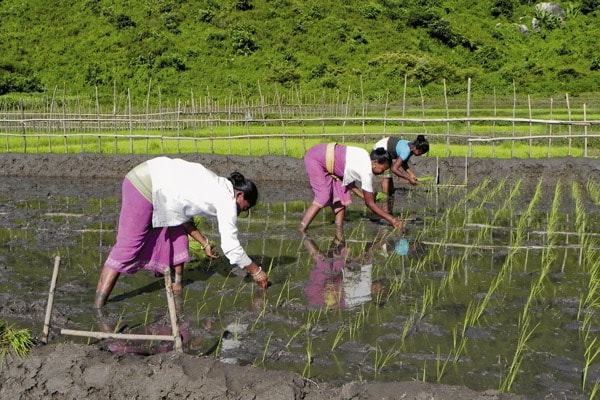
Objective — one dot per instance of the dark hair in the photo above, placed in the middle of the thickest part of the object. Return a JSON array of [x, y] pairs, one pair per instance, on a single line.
[[245, 186], [421, 144], [381, 155]]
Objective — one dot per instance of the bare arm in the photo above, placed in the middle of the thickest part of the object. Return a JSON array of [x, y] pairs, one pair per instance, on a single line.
[[370, 202], [257, 273], [398, 168], [356, 191], [193, 231]]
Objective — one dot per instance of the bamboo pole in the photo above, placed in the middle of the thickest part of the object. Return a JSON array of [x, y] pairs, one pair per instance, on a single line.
[[175, 337], [172, 310], [50, 300], [530, 126], [494, 125], [514, 112], [585, 131], [469, 108], [447, 123], [108, 335], [569, 127]]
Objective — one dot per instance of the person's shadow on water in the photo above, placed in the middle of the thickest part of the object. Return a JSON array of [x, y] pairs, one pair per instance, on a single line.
[[159, 284]]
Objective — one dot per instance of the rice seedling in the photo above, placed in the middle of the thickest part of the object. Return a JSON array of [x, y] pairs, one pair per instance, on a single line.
[[424, 375], [382, 359], [524, 221], [524, 336], [261, 314], [553, 216], [352, 330], [586, 323], [285, 290], [459, 343], [238, 292], [311, 320], [492, 194], [199, 307], [14, 341], [339, 334], [206, 291], [592, 299], [474, 194], [514, 192], [593, 189], [595, 390], [440, 367], [407, 328], [475, 312], [427, 299], [264, 355], [147, 315], [297, 332], [309, 358], [119, 321], [219, 308], [580, 216], [592, 350]]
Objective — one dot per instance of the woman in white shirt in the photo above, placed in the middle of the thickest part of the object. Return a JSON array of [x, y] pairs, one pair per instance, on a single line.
[[333, 171], [159, 199]]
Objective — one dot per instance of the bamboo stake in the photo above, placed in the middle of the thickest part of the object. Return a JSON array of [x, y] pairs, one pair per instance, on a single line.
[[175, 337], [569, 127], [172, 310], [50, 300], [108, 335], [437, 170]]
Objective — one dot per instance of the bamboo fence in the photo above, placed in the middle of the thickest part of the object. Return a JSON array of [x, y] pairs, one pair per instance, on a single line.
[[74, 125]]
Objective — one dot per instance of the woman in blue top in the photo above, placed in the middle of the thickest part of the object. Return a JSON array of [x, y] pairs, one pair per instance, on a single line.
[[401, 151]]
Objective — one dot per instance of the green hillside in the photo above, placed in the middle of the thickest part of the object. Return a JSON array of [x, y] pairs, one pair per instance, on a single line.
[[232, 47]]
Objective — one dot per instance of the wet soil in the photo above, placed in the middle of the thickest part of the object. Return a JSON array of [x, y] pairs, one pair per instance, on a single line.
[[68, 370]]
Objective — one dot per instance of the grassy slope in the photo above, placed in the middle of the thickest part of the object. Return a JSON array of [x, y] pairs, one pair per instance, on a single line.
[[182, 46]]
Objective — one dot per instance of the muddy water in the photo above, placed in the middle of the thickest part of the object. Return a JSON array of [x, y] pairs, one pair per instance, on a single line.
[[449, 299]]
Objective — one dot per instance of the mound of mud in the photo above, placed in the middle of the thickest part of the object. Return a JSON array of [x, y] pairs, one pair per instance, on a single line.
[[70, 371]]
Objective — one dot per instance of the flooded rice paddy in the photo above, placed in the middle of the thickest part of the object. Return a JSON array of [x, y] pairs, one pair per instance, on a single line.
[[494, 286]]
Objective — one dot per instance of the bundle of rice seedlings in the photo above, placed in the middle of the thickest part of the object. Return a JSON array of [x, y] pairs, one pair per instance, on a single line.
[[14, 341]]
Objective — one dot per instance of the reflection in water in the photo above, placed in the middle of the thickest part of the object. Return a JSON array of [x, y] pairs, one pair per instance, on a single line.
[[336, 279], [230, 342], [342, 280], [160, 325]]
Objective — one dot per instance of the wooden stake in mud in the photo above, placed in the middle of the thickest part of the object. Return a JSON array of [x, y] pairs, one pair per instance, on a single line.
[[172, 310], [50, 300], [175, 337]]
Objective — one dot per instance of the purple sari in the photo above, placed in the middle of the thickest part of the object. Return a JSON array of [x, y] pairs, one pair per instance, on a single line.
[[139, 245], [328, 189]]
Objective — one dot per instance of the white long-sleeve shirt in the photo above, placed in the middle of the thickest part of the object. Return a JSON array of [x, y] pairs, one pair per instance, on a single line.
[[182, 190]]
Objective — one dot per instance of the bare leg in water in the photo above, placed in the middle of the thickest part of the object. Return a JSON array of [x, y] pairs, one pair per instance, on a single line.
[[106, 283], [108, 279], [312, 212], [178, 278], [309, 215], [387, 187]]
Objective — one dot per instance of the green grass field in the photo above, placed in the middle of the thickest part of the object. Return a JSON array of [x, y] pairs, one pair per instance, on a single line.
[[294, 142]]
